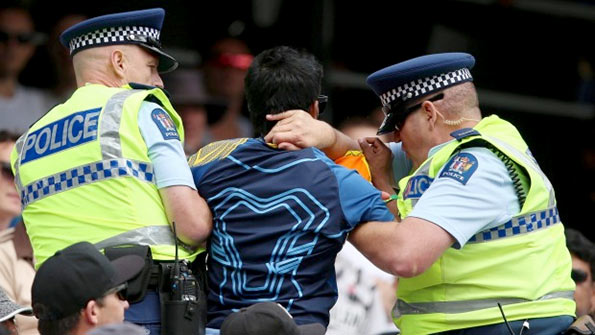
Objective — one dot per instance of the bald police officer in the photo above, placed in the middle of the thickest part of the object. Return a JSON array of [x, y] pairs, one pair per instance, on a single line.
[[107, 166], [479, 226]]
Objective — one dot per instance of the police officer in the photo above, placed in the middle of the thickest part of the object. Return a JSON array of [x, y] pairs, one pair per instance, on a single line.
[[479, 226], [107, 166]]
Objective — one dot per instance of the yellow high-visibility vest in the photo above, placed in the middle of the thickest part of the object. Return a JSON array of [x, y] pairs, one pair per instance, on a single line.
[[524, 264], [83, 174]]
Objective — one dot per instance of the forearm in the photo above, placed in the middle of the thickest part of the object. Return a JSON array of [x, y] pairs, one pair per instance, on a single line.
[[340, 145], [405, 249], [189, 211], [377, 241]]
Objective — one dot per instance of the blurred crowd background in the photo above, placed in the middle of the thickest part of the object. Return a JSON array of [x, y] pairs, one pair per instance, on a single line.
[[534, 64]]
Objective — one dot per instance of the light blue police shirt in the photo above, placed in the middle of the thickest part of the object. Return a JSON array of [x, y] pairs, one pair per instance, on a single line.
[[166, 154], [487, 199]]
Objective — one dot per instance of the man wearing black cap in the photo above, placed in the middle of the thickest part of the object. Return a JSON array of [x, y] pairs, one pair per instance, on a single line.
[[107, 166], [8, 310], [479, 248], [266, 318], [78, 289]]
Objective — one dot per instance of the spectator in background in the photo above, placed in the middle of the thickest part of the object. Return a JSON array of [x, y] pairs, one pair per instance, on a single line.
[[10, 203], [65, 80], [8, 311], [358, 127], [224, 72], [19, 106], [266, 318], [16, 254], [582, 251], [195, 106], [78, 289]]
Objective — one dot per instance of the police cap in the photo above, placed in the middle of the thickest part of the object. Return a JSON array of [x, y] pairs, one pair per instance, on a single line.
[[141, 27], [410, 80]]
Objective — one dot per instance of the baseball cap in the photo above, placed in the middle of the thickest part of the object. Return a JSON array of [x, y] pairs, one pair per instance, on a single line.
[[70, 278], [266, 318], [8, 308]]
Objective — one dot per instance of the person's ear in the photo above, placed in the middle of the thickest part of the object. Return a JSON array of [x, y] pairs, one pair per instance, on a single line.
[[430, 113], [118, 63], [91, 312]]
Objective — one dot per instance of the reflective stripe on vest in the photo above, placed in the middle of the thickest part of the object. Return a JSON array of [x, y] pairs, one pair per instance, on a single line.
[[109, 128], [453, 307], [86, 174], [150, 235], [519, 225], [112, 166]]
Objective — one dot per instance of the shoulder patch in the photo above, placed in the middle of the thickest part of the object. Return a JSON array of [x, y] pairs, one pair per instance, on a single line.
[[460, 168], [165, 124], [214, 151]]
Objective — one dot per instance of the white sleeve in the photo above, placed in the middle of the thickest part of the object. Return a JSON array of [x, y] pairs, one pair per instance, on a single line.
[[164, 146], [472, 192]]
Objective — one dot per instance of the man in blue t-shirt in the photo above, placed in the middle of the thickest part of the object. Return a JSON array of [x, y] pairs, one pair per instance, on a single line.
[[280, 217]]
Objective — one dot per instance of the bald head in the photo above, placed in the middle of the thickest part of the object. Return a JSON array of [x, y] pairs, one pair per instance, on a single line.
[[116, 65], [460, 101]]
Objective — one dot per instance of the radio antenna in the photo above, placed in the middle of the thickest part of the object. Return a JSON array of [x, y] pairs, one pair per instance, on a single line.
[[505, 321], [176, 260]]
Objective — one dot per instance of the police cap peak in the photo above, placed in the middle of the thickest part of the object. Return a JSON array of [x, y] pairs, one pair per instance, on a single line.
[[141, 27], [418, 77]]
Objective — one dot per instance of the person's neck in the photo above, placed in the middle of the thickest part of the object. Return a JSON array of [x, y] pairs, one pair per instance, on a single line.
[[81, 328], [98, 77], [7, 86]]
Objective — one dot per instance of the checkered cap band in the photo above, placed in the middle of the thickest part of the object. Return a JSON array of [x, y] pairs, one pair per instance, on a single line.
[[519, 225], [423, 86], [111, 35]]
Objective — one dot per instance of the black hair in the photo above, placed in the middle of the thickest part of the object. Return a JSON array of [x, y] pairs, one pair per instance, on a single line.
[[59, 327], [280, 79], [7, 136], [581, 246]]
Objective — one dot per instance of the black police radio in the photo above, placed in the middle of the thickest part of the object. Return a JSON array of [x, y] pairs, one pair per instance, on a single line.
[[184, 307]]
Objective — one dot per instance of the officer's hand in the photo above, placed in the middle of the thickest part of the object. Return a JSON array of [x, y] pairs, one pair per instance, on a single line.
[[296, 129], [379, 159]]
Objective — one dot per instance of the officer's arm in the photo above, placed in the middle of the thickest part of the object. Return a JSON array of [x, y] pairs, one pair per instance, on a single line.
[[296, 129], [182, 203], [406, 248], [189, 211]]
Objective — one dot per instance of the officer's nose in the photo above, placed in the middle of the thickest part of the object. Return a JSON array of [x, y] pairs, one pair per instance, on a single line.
[[157, 81], [125, 304]]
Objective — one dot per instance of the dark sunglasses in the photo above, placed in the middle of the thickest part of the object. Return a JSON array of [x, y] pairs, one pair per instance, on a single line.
[[578, 276], [322, 100], [148, 40], [5, 170], [119, 290], [21, 38], [400, 117]]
